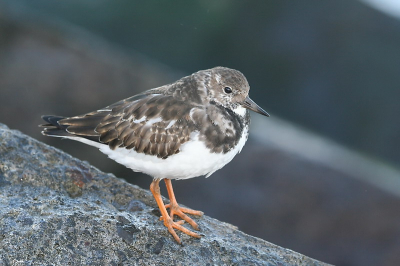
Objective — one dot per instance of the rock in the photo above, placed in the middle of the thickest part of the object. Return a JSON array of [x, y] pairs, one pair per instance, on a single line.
[[55, 209]]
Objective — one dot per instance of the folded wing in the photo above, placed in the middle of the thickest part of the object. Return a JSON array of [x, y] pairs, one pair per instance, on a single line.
[[145, 123]]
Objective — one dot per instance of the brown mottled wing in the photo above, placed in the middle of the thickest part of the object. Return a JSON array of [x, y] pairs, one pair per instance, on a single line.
[[153, 124]]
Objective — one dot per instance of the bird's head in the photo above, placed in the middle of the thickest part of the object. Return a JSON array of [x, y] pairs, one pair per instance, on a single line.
[[229, 88]]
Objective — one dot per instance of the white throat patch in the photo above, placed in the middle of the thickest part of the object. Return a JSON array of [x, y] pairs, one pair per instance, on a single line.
[[240, 110]]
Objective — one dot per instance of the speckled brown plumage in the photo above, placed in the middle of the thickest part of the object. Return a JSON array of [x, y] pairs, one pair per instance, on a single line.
[[134, 123]]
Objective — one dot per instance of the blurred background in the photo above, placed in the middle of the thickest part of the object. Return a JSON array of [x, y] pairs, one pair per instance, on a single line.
[[320, 176]]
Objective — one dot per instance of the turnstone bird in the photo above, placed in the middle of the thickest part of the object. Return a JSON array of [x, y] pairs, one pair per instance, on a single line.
[[189, 128]]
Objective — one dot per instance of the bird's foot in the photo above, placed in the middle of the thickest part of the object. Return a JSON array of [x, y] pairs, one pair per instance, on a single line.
[[175, 209], [171, 225]]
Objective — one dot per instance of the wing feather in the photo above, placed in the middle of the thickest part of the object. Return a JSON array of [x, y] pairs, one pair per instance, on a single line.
[[148, 124]]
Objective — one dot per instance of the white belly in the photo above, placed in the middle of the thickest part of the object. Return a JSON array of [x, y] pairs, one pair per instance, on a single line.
[[194, 159]]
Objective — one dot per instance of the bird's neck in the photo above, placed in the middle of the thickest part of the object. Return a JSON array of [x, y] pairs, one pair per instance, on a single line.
[[240, 111]]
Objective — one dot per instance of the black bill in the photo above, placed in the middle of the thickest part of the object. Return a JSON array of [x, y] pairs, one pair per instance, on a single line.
[[249, 104]]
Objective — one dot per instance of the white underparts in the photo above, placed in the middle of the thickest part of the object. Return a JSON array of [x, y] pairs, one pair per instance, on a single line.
[[194, 159]]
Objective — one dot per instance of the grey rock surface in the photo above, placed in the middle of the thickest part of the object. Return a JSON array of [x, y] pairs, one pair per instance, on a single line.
[[58, 210]]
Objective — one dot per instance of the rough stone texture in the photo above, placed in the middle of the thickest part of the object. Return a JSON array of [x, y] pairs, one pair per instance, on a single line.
[[55, 209]]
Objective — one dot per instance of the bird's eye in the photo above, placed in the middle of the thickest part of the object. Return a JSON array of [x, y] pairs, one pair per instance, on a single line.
[[228, 89]]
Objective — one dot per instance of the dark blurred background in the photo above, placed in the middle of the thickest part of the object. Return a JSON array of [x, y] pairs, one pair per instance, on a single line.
[[328, 67]]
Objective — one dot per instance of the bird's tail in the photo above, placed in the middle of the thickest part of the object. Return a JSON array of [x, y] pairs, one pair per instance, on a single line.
[[53, 128], [73, 127]]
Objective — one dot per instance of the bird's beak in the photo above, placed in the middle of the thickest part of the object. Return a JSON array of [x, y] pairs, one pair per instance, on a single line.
[[249, 104]]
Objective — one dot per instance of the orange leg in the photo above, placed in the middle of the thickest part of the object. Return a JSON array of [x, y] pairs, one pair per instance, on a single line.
[[175, 209], [168, 221]]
